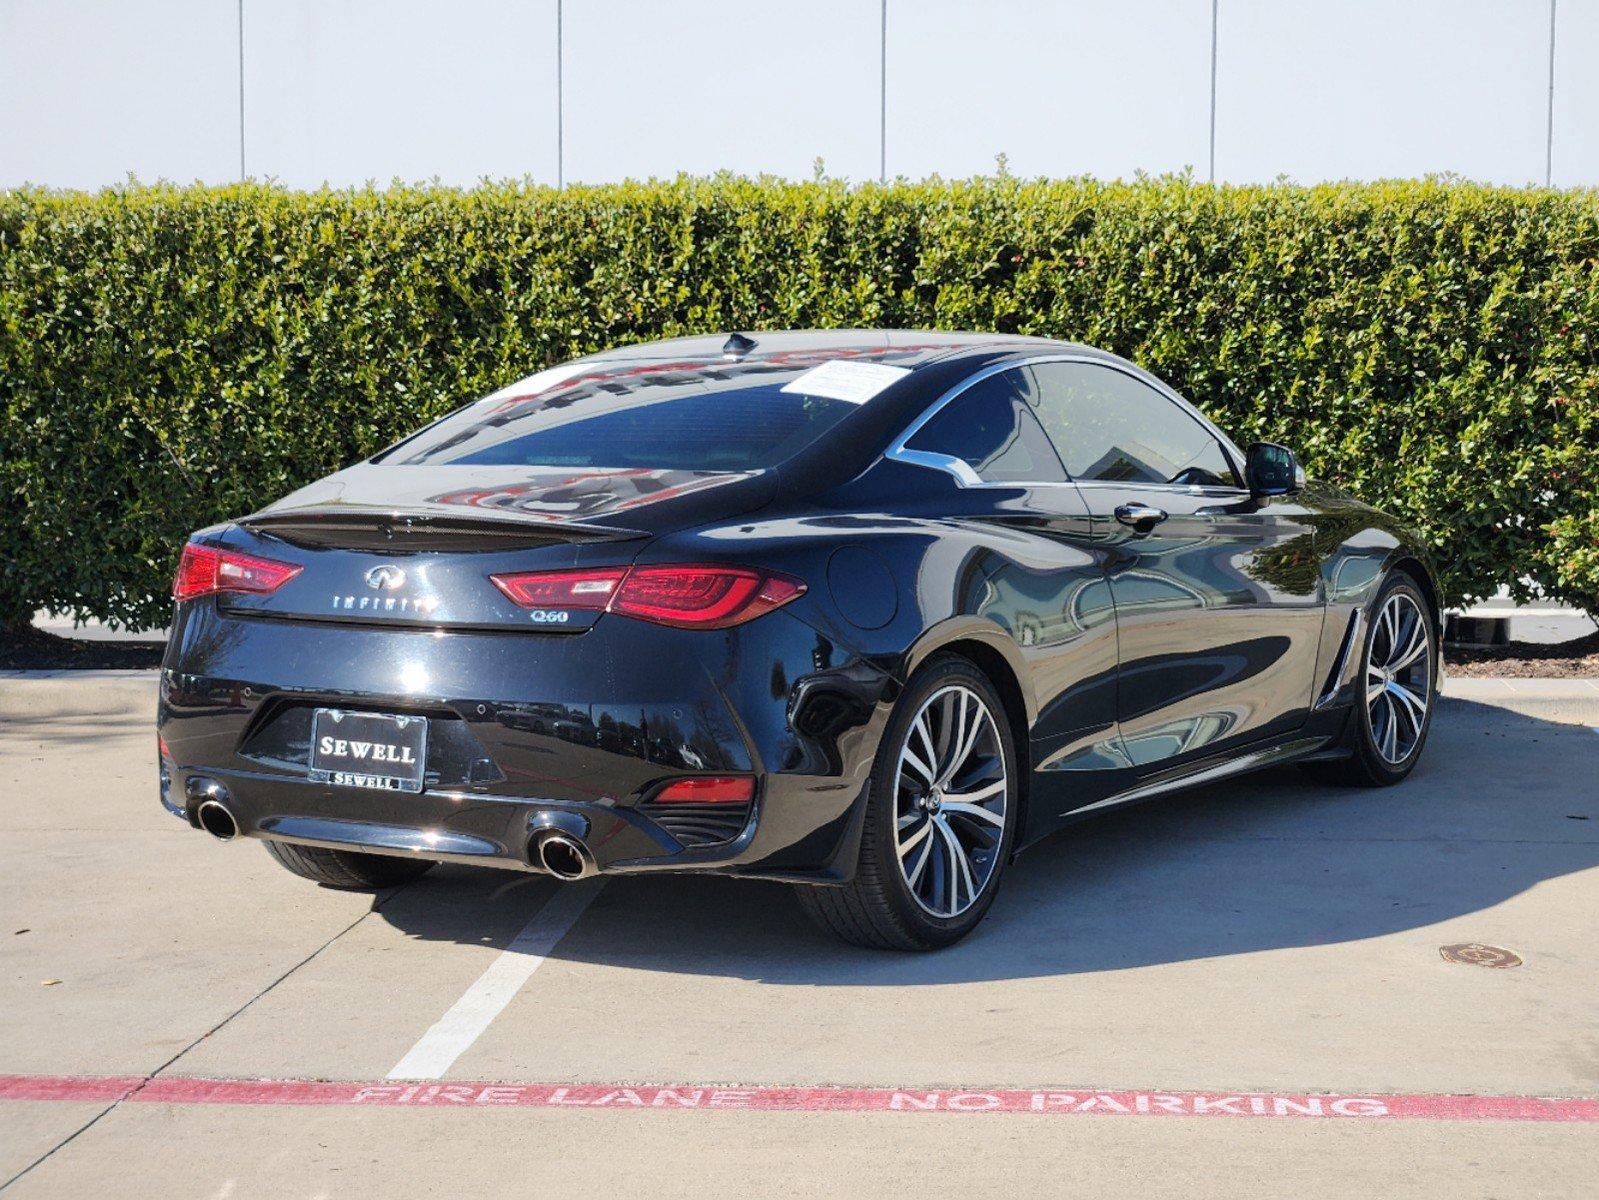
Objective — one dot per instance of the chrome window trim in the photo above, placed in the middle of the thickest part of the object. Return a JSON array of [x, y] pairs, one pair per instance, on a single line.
[[966, 477], [960, 468], [1220, 490]]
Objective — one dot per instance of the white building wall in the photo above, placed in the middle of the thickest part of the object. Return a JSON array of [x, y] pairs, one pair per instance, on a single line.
[[345, 91], [1104, 88], [1576, 108], [1368, 89]]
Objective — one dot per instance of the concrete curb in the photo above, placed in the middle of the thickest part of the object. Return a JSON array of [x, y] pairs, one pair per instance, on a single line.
[[86, 676], [1497, 687]]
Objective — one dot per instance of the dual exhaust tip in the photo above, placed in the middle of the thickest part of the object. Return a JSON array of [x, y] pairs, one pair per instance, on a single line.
[[561, 854]]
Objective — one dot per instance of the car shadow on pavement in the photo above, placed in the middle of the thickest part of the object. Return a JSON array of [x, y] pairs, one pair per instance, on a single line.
[[1500, 803]]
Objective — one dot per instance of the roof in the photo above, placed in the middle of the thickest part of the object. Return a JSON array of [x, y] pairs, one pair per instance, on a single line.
[[906, 347]]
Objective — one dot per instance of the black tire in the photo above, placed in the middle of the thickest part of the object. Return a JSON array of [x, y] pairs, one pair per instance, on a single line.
[[877, 908], [346, 868], [1365, 765]]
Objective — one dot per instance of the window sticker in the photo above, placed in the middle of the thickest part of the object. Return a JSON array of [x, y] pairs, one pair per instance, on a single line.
[[841, 379], [541, 381]]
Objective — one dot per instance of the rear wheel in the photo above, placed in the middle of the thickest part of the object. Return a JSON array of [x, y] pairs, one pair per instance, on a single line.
[[1398, 681], [346, 868], [940, 818]]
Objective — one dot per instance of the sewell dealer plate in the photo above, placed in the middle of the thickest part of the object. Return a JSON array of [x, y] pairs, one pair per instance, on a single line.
[[369, 750]]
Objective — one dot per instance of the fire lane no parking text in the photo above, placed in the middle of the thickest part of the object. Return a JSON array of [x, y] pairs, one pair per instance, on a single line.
[[182, 1090]]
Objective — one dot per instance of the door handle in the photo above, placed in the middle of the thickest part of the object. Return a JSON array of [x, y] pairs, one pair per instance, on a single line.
[[1142, 517]]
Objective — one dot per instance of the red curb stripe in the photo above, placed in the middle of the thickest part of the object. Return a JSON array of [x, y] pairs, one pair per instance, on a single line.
[[103, 1088], [172, 1089]]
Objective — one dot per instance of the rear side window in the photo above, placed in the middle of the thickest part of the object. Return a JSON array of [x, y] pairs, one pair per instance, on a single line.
[[676, 416], [992, 428], [1108, 425]]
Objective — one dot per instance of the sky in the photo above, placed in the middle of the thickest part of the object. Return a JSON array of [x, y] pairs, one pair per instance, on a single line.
[[345, 91]]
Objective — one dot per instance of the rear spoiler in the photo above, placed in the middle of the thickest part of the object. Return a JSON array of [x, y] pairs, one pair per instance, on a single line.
[[379, 529]]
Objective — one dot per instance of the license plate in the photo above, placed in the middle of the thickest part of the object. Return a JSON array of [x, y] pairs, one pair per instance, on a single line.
[[368, 750]]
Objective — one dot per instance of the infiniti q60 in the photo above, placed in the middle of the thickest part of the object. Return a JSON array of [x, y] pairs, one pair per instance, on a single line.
[[867, 612]]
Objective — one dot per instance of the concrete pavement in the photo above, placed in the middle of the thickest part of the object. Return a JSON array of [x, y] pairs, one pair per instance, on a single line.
[[1265, 935]]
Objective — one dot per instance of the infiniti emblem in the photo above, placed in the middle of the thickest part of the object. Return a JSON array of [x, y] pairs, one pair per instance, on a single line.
[[385, 578]]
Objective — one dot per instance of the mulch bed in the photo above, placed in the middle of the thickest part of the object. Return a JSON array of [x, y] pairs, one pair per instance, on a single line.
[[1545, 660], [30, 649]]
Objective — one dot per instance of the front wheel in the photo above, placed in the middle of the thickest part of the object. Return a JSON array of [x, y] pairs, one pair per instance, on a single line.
[[1398, 682], [940, 818]]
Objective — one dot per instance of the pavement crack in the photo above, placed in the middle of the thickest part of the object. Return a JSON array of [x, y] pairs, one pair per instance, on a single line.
[[81, 1129], [378, 902], [377, 906]]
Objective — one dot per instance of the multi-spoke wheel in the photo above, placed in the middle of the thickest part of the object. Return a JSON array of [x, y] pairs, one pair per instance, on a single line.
[[940, 817], [1398, 677], [950, 800]]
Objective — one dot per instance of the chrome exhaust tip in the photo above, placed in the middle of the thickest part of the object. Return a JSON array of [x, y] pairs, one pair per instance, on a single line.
[[214, 817], [565, 857]]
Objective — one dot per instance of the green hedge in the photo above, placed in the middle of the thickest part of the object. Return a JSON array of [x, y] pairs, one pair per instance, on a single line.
[[173, 356]]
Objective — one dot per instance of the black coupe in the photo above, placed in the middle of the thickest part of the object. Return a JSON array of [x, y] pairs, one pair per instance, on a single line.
[[863, 611]]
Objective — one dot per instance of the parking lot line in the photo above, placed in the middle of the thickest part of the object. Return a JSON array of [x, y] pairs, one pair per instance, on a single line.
[[469, 1016], [183, 1090]]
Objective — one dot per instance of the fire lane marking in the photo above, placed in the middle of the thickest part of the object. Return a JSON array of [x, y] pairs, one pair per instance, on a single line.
[[453, 1033], [183, 1090]]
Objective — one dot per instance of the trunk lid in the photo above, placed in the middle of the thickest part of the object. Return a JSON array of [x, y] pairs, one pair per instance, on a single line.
[[415, 546]]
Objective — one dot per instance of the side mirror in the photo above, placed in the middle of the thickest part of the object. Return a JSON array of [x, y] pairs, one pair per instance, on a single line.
[[1271, 470]]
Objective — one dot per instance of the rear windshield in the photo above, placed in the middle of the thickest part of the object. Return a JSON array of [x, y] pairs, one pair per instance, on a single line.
[[713, 416]]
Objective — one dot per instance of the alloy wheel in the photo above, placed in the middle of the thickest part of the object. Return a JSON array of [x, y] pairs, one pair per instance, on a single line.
[[951, 791], [1398, 677]]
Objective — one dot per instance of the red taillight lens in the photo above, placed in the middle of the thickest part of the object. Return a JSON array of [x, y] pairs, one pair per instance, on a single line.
[[702, 597], [689, 597], [708, 789], [562, 589], [204, 571]]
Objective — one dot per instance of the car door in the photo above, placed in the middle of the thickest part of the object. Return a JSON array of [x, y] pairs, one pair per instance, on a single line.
[[1042, 576], [1217, 642]]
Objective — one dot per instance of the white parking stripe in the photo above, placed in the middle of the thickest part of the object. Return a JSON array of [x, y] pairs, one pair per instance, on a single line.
[[469, 1016]]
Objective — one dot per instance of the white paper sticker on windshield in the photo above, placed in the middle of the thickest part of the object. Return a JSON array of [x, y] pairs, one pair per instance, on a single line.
[[841, 379], [541, 381]]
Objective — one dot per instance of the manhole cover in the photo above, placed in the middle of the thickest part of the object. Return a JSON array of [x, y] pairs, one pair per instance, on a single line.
[[1475, 954]]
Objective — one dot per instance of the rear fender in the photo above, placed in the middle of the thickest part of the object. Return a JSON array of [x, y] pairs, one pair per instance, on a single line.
[[969, 628]]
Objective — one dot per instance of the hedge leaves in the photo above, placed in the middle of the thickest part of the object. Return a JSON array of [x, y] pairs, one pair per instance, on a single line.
[[170, 357]]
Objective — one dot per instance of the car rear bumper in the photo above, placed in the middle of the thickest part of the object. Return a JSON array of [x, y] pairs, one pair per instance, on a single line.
[[529, 733], [498, 831]]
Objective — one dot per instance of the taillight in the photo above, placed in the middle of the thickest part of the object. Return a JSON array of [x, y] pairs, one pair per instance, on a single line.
[[204, 571], [708, 789], [562, 589], [702, 597], [688, 597]]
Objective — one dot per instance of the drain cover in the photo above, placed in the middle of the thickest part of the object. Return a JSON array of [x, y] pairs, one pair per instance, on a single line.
[[1475, 954]]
